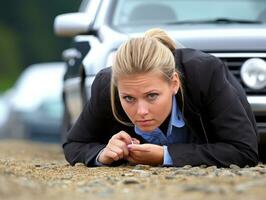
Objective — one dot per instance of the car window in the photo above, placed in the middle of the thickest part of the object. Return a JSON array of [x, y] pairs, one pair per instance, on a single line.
[[52, 107], [130, 12]]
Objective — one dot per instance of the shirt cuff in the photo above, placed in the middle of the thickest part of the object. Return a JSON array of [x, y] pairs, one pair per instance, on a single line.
[[96, 161], [167, 160]]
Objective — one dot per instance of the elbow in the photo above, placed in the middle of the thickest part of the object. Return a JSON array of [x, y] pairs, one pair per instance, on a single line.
[[250, 157], [68, 152]]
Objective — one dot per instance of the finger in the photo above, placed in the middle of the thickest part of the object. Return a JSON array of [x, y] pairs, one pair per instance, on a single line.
[[112, 155], [122, 135], [135, 141], [137, 147], [116, 149], [121, 144]]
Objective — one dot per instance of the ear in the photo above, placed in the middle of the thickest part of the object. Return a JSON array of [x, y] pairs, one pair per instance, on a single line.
[[175, 83]]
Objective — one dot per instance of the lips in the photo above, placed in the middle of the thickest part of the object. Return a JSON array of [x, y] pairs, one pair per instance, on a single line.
[[146, 122]]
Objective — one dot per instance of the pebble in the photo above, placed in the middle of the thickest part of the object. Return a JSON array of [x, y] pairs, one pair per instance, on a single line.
[[197, 173], [232, 166], [187, 167], [224, 172], [247, 173], [129, 181], [139, 166], [128, 174], [203, 188], [79, 165], [154, 173], [211, 168], [142, 173], [169, 177]]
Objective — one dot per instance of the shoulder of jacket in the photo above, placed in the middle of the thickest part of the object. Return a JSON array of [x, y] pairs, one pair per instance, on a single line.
[[195, 59]]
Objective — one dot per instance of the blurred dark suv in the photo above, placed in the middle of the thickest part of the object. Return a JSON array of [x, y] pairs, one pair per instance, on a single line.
[[234, 31]]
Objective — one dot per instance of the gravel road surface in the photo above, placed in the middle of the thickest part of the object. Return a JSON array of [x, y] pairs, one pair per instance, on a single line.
[[37, 170]]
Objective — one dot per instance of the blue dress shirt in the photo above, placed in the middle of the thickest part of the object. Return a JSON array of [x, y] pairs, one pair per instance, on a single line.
[[176, 133]]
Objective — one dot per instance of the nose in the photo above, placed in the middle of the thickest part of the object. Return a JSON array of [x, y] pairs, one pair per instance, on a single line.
[[142, 109]]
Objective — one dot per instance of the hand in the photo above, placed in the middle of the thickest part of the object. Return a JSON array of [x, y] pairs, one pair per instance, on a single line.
[[116, 149], [149, 154]]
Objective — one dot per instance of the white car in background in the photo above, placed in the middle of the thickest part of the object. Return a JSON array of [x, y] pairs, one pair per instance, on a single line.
[[34, 106], [3, 111]]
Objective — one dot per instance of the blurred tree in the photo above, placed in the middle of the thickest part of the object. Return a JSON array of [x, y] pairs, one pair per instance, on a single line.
[[27, 37]]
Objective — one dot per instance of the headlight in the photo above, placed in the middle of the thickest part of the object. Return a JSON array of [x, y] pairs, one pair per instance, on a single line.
[[253, 73]]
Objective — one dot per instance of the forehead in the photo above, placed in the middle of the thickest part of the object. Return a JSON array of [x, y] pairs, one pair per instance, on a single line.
[[141, 82]]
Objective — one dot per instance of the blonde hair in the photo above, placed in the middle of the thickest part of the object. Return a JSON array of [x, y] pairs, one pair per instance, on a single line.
[[154, 51]]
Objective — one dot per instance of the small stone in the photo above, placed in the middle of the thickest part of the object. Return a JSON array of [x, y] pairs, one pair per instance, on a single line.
[[169, 177], [128, 174], [130, 181], [203, 188], [37, 165], [187, 167], [139, 166], [142, 173], [197, 173], [246, 173], [211, 168], [79, 165], [235, 167], [154, 173], [224, 172]]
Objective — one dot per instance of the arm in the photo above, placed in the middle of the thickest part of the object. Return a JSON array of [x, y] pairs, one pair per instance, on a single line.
[[232, 135], [88, 136]]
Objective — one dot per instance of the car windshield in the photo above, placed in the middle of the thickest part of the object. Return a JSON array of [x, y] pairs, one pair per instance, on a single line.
[[137, 12]]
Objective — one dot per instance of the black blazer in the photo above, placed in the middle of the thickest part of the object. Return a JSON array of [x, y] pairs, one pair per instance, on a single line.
[[215, 110]]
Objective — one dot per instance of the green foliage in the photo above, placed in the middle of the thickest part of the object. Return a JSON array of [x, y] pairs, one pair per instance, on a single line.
[[26, 35]]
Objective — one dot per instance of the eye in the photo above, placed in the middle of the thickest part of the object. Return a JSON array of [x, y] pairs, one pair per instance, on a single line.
[[152, 96], [129, 99]]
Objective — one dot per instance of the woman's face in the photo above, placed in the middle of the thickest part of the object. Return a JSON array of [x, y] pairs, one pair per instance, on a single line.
[[147, 98]]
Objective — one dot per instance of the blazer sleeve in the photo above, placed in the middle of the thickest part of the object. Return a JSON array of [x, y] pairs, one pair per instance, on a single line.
[[88, 136], [232, 134]]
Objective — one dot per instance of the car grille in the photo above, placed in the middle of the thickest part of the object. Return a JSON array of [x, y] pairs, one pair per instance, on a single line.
[[234, 62]]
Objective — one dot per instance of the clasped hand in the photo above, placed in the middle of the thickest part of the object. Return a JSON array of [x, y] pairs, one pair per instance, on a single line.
[[123, 146]]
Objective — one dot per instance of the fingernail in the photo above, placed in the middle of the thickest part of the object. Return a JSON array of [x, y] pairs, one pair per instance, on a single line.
[[129, 146]]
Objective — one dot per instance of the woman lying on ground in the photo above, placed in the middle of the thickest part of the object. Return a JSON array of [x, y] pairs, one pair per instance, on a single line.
[[159, 105]]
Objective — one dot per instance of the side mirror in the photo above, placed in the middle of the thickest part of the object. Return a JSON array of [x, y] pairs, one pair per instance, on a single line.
[[72, 24]]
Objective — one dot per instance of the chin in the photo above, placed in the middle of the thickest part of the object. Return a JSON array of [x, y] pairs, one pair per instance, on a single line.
[[147, 129]]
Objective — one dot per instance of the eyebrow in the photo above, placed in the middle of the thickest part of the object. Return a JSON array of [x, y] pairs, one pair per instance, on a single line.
[[152, 91], [145, 93]]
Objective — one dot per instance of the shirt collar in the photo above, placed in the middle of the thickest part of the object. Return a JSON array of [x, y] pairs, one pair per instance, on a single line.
[[176, 115]]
